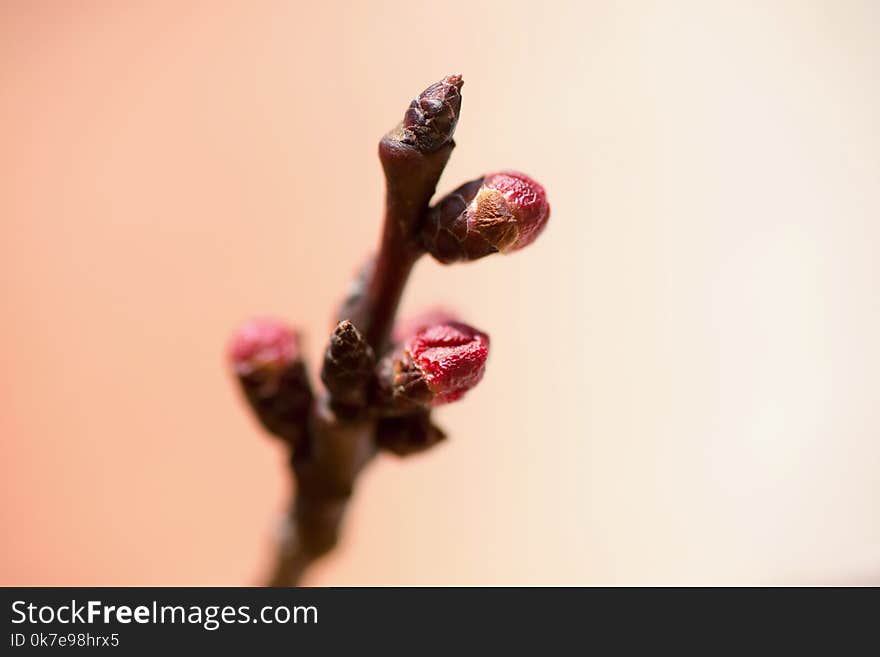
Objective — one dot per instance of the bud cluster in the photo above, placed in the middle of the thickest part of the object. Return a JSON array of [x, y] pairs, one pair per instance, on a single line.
[[381, 383]]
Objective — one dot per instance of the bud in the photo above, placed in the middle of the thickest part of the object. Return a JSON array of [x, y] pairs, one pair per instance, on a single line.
[[413, 155], [348, 368], [436, 365], [263, 344], [431, 118], [500, 212], [265, 355], [408, 434]]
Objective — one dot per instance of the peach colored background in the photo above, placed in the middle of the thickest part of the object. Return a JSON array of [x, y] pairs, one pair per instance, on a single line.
[[684, 379]]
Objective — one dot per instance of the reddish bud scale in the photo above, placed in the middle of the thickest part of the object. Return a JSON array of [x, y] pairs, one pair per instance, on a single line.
[[452, 358], [500, 212], [436, 365]]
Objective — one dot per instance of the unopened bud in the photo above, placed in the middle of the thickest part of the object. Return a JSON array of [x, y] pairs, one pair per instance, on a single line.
[[431, 118], [498, 213], [348, 368], [436, 365], [265, 355], [263, 344]]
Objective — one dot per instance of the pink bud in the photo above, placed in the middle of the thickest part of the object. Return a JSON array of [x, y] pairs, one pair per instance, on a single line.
[[262, 343]]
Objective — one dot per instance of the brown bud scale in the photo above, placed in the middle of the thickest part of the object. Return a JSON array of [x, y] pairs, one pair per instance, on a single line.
[[348, 367]]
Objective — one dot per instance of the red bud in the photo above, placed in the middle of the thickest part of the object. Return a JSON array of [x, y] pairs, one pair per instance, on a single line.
[[500, 212], [437, 365], [452, 358]]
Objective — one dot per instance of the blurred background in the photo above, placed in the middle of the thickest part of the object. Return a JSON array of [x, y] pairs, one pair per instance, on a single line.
[[683, 386]]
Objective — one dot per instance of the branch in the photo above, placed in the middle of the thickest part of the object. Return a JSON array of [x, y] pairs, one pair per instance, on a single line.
[[341, 443], [380, 395], [413, 156]]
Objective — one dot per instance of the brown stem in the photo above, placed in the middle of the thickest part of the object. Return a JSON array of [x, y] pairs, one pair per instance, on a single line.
[[411, 178], [325, 478], [339, 448], [392, 268]]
